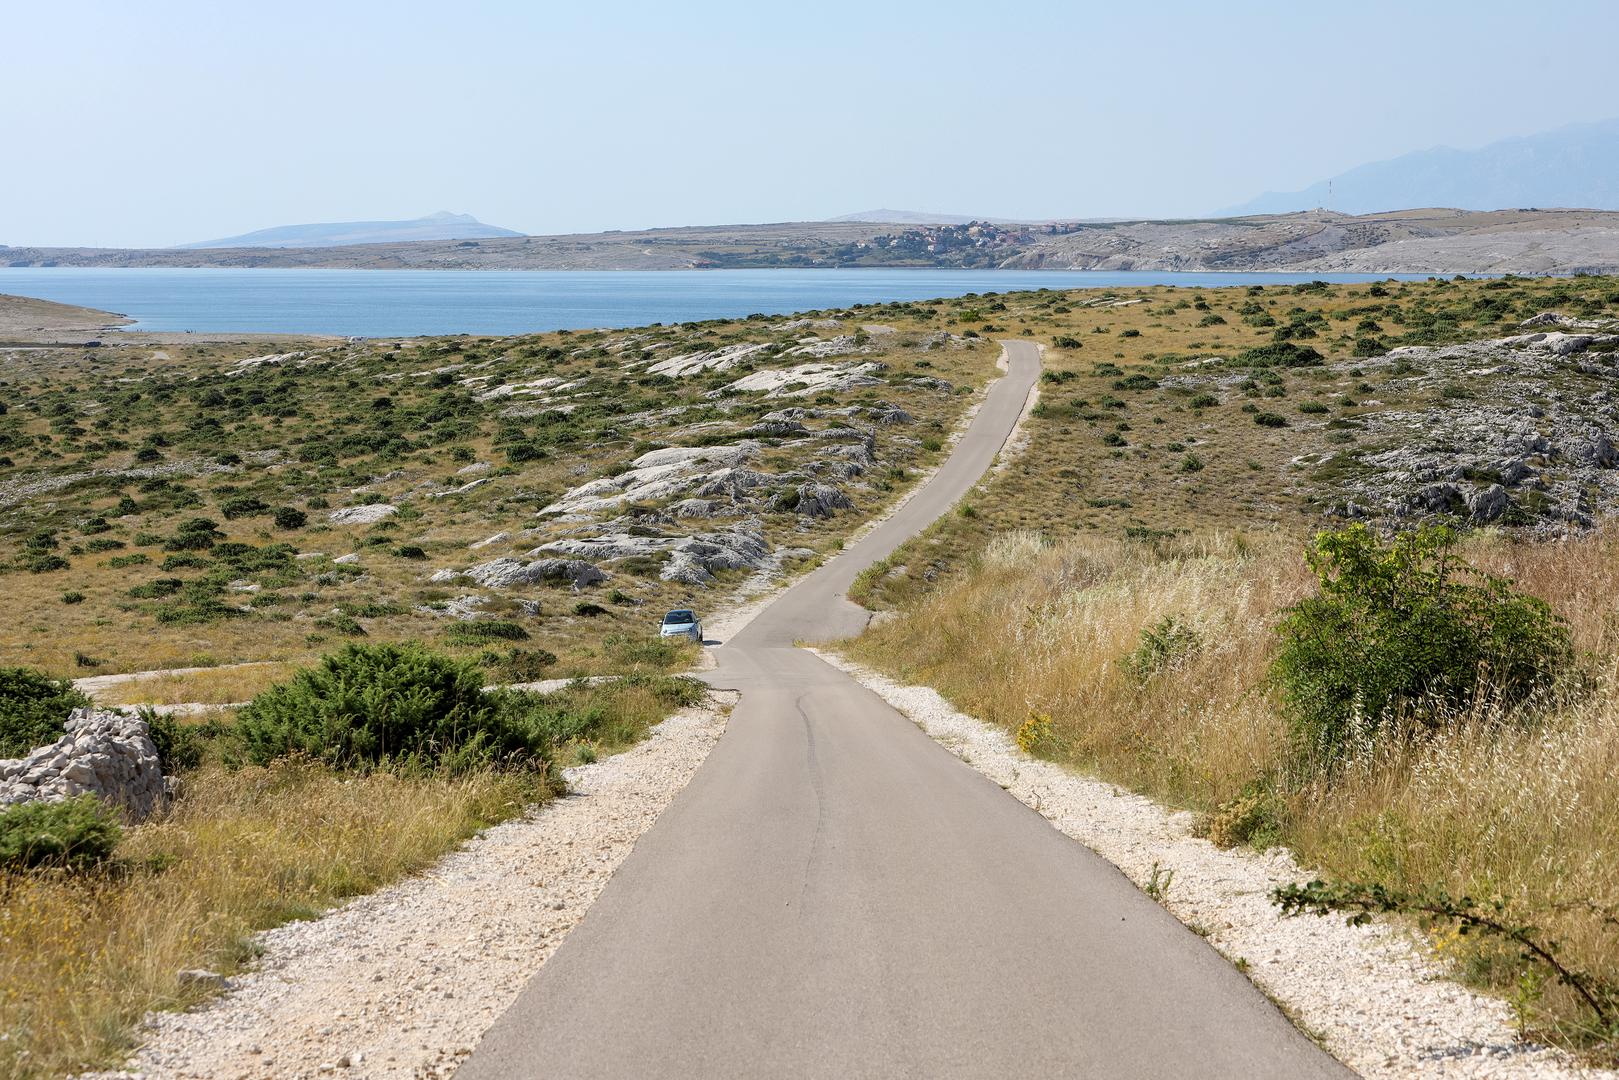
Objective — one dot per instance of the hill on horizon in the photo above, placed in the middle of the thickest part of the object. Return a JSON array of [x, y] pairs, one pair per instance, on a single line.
[[1569, 167], [440, 226]]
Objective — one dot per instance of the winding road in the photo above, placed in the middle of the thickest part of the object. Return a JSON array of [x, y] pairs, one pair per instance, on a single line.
[[835, 895]]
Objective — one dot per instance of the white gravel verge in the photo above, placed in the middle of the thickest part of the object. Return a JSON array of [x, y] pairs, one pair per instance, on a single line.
[[403, 982], [1371, 994]]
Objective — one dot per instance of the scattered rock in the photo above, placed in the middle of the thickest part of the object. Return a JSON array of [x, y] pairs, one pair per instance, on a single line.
[[362, 515]]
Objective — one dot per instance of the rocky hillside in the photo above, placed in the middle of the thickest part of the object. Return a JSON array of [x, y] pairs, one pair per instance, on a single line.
[[473, 492], [1413, 241]]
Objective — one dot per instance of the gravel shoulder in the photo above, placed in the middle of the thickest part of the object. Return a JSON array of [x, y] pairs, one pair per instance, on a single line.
[[1370, 995], [402, 982]]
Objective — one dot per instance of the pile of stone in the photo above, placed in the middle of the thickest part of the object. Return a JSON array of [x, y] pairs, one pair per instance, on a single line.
[[105, 753]]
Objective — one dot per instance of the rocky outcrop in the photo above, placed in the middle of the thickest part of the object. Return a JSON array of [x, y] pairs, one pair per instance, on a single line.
[[807, 379], [817, 500], [1537, 450], [655, 475], [692, 560], [104, 753], [505, 573]]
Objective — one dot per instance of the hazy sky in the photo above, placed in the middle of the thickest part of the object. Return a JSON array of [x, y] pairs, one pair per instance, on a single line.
[[155, 123]]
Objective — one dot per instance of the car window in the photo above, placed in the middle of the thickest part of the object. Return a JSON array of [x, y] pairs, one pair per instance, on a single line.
[[674, 618]]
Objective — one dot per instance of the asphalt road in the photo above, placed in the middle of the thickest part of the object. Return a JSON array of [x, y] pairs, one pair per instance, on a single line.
[[835, 895]]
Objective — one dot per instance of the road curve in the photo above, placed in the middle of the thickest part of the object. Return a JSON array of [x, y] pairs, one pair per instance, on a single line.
[[835, 895]]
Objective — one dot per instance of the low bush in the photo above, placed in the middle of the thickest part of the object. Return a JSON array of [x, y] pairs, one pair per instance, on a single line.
[[288, 517], [33, 708], [1162, 646], [483, 631], [1280, 354], [76, 834], [391, 703], [1406, 635]]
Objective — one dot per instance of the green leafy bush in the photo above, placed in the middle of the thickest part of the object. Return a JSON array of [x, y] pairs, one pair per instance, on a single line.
[[390, 703], [288, 517], [77, 833], [1406, 635], [33, 708]]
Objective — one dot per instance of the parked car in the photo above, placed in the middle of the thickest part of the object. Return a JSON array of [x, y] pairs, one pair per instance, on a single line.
[[682, 622]]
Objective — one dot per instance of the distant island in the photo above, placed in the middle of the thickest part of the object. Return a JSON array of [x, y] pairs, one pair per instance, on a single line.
[[1425, 241], [440, 226]]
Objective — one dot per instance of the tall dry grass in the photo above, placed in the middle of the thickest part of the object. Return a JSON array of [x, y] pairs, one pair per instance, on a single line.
[[84, 957], [1488, 808]]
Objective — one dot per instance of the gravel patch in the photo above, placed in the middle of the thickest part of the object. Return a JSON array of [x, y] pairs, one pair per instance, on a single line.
[[403, 982], [1371, 995]]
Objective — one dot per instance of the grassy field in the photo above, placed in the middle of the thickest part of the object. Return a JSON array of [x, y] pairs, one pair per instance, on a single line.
[[1149, 416], [185, 506], [84, 955], [1142, 495]]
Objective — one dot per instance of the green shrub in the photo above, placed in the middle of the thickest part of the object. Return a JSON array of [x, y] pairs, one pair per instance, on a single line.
[[287, 517], [1203, 401], [1406, 635], [1270, 419], [33, 708], [1280, 354], [483, 631], [1254, 817], [1162, 646], [77, 834], [243, 506], [390, 703]]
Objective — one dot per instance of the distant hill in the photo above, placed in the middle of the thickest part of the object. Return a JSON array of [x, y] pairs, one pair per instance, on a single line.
[[1575, 166], [1433, 241], [440, 226]]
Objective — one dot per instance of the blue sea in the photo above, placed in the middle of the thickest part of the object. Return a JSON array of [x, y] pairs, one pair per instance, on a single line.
[[398, 303]]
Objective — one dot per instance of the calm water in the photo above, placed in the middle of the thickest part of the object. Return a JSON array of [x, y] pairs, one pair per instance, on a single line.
[[395, 303]]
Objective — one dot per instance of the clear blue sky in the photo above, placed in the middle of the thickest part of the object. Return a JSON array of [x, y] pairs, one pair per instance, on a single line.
[[150, 123]]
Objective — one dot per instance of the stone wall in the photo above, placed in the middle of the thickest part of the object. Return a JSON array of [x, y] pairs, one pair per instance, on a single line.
[[104, 753]]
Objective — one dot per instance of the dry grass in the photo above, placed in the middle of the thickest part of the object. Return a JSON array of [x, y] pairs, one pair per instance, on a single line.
[[83, 957], [215, 686], [1487, 810]]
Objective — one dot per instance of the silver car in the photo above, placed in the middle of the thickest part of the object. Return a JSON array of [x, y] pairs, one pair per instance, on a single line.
[[682, 622]]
